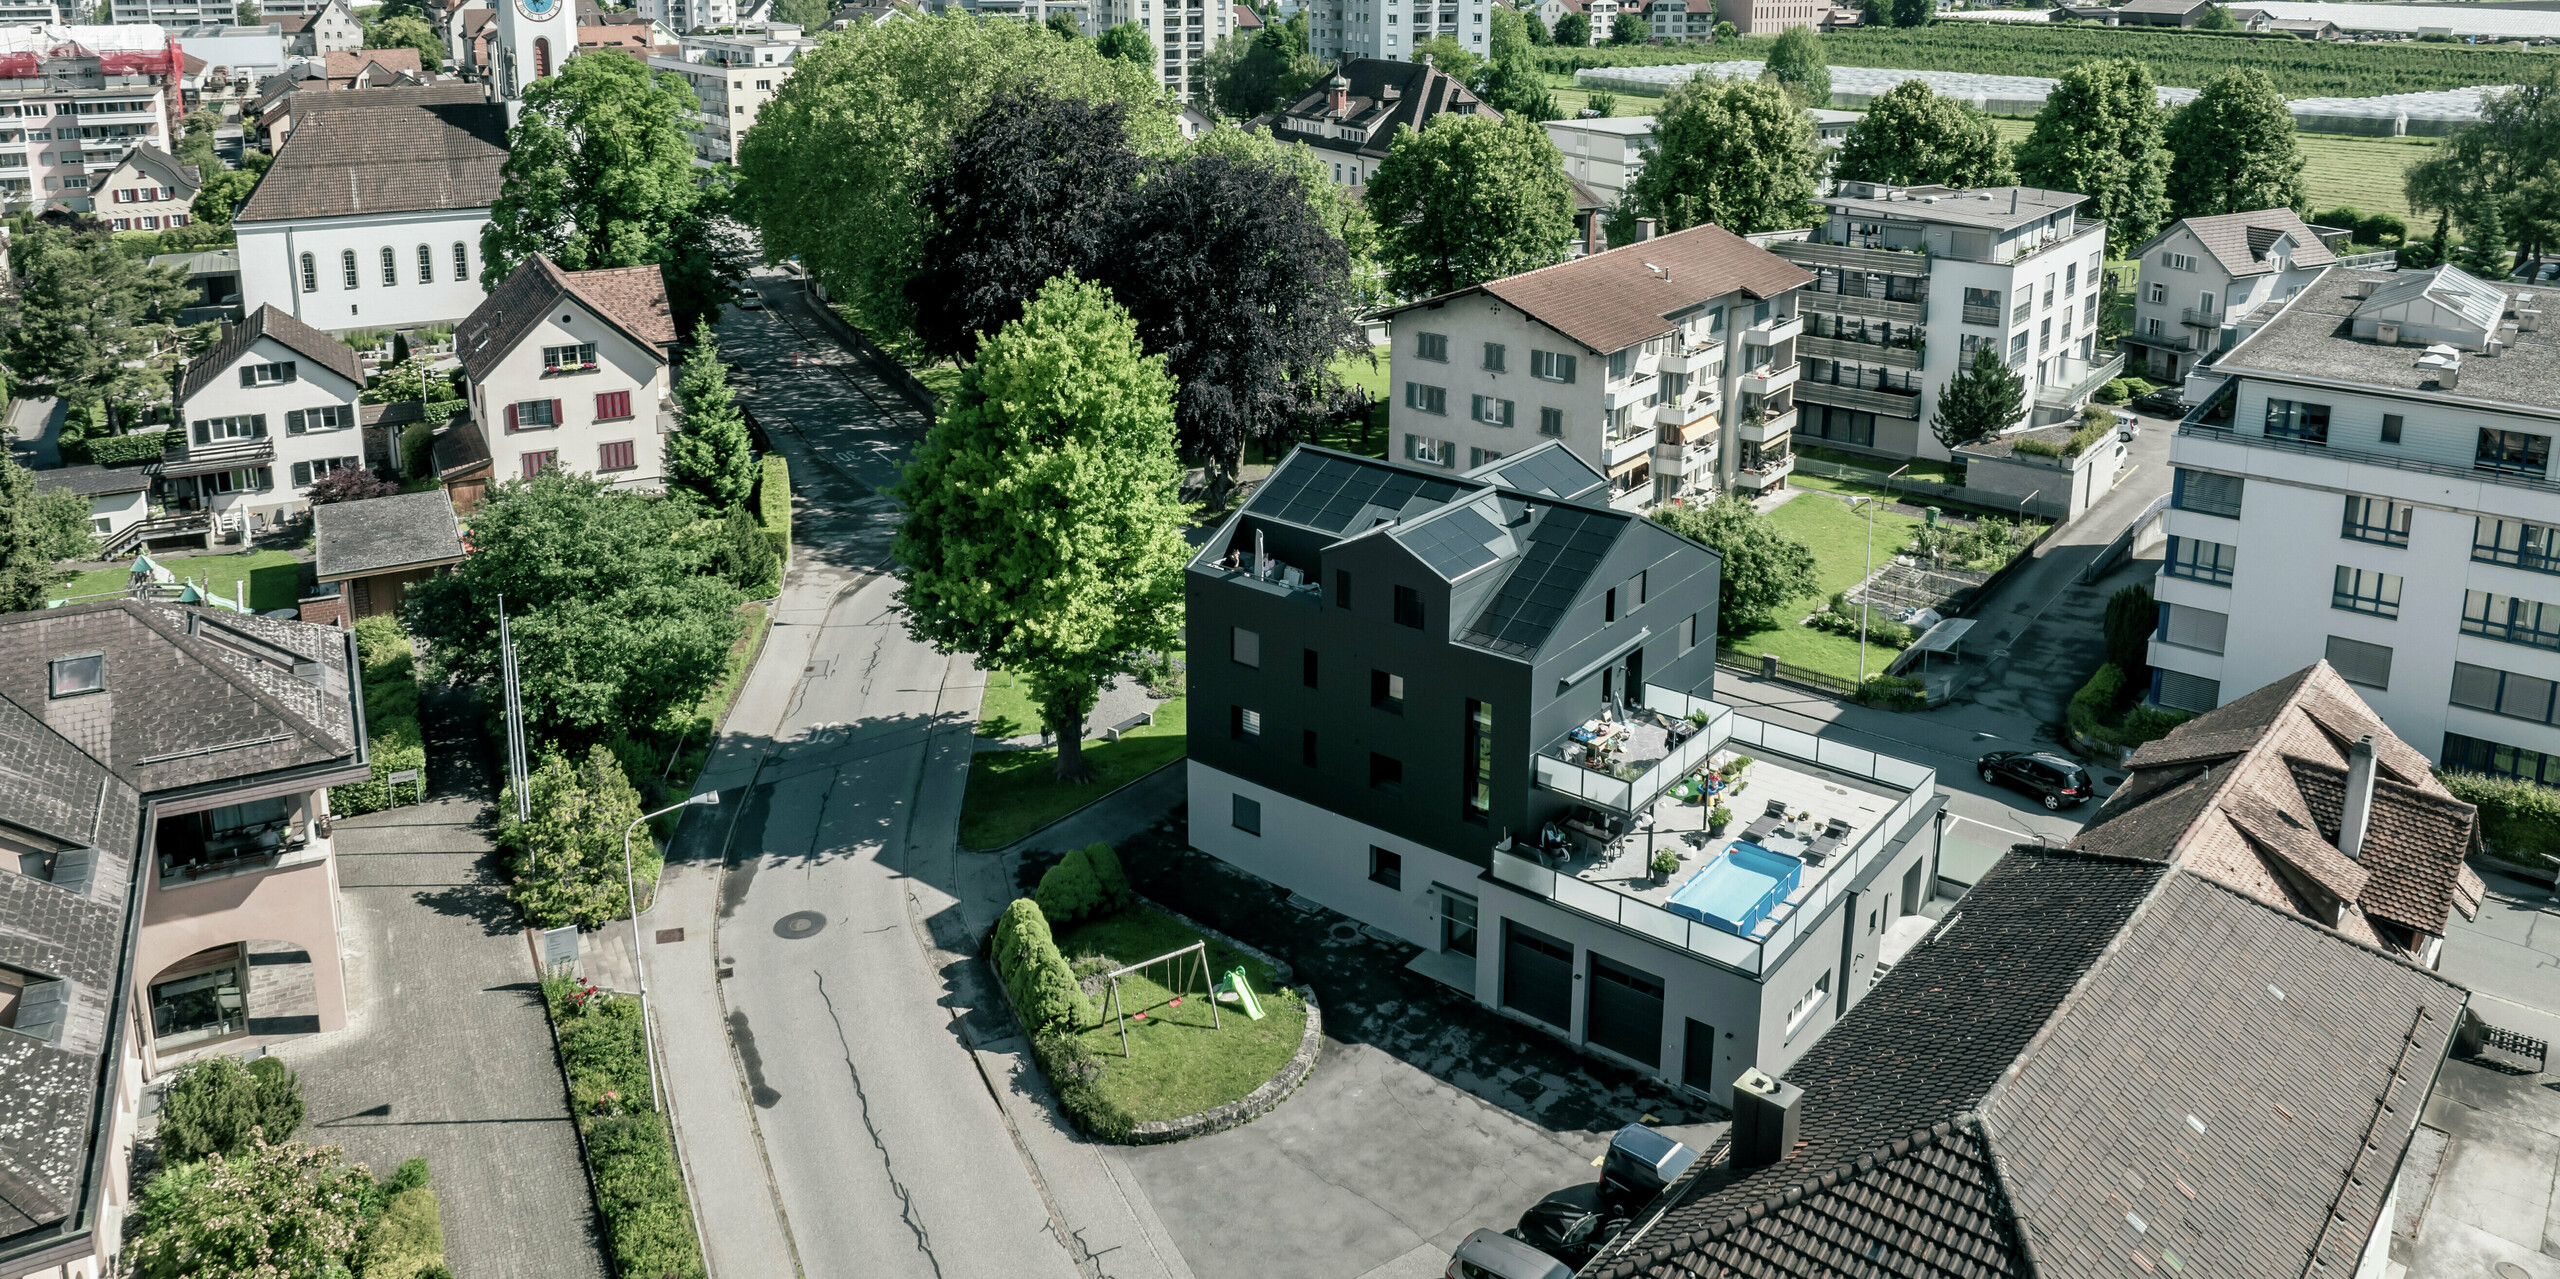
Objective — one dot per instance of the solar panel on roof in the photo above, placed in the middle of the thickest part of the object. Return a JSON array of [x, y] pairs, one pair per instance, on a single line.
[[1453, 545], [1322, 491], [1553, 472], [1563, 545]]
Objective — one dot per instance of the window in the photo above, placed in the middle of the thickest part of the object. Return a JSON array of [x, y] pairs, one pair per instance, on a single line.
[[1689, 633], [1245, 646], [2362, 590], [2497, 759], [2390, 428], [530, 415], [1342, 588], [1427, 399], [2178, 261], [390, 267], [461, 261], [2290, 419], [1422, 448], [2514, 542], [1432, 346], [1307, 747], [2044, 336], [2505, 693], [1386, 692], [1408, 607], [2198, 560], [1476, 757], [613, 404], [1307, 667], [1386, 868], [426, 265], [85, 673], [1620, 362], [2377, 520], [615, 455], [2516, 621], [1480, 457], [541, 58], [310, 274], [267, 374], [581, 355], [536, 463], [305, 472], [1609, 605], [336, 417], [2186, 626], [1807, 1003], [1550, 366], [2513, 453], [1244, 724], [2206, 493], [347, 267], [212, 430], [1491, 411], [248, 479], [1386, 773], [2017, 348], [2359, 662], [1494, 355], [1247, 815], [1551, 422]]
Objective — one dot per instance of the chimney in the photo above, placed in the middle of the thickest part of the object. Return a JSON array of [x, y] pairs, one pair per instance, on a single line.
[[1261, 559], [2358, 816], [1590, 233], [1765, 1112], [1644, 229], [1340, 96]]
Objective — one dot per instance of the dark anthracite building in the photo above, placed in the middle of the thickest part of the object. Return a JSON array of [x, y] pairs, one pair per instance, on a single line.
[[1379, 656]]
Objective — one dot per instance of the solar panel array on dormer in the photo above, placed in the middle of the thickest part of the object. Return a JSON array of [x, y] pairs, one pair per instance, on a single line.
[[1343, 495]]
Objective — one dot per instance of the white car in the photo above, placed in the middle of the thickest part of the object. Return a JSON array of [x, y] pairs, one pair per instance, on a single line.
[[751, 301]]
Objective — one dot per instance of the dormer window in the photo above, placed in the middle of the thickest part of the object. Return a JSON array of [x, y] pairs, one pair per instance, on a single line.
[[83, 673]]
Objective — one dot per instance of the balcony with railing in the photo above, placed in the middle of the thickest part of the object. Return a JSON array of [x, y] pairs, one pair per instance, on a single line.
[[1761, 473], [1635, 438], [2075, 380], [1775, 329], [1775, 424], [1988, 316], [1908, 312], [1690, 357], [2196, 318], [1901, 402], [1854, 257], [1771, 378], [1859, 351], [2164, 340]]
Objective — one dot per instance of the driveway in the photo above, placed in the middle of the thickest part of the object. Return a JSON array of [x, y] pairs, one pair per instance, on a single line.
[[446, 1052], [34, 425]]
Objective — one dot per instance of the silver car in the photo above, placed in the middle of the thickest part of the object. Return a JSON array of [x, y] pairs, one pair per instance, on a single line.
[[1490, 1254]]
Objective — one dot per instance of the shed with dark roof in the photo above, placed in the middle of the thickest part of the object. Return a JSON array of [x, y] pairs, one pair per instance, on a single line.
[[376, 549]]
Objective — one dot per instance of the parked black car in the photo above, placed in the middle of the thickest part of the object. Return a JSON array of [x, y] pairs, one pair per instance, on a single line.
[[2161, 403], [2051, 778], [1569, 1225]]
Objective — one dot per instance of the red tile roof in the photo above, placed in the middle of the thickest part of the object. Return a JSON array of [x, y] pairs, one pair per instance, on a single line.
[[1611, 301]]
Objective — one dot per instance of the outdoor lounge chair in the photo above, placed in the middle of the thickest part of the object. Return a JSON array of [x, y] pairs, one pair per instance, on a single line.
[[1828, 842], [1768, 824]]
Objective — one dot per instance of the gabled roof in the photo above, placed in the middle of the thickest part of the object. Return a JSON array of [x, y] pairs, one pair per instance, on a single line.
[[1549, 470], [92, 480], [164, 169], [2239, 241], [268, 322], [1611, 301], [1382, 96], [633, 299], [398, 150], [2094, 1066], [343, 65]]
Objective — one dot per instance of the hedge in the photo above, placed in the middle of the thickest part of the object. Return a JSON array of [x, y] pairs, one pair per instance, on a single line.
[[2519, 820], [1086, 883], [1073, 1070], [2097, 699], [640, 1192], [390, 720], [773, 505], [124, 450], [408, 1242], [1044, 990]]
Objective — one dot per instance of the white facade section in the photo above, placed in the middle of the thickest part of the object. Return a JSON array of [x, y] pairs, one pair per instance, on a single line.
[[303, 267], [2188, 307], [540, 415], [310, 421], [733, 76], [1182, 31], [1605, 154], [1338, 30]]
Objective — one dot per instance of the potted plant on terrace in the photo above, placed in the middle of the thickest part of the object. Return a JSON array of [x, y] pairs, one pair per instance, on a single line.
[[1664, 863], [1718, 819]]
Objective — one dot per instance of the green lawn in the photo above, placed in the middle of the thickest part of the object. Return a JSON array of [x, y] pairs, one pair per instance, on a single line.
[[274, 577], [1838, 539], [1013, 793], [1007, 710], [1178, 1063], [2338, 169]]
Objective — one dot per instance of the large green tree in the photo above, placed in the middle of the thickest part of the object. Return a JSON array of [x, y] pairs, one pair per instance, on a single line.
[[2100, 135], [710, 454], [1346, 218], [1573, 30], [1628, 27], [1984, 400], [1912, 136], [617, 617], [1763, 567], [216, 1106], [1512, 82], [2507, 161], [1732, 152], [1796, 62], [1251, 74], [2234, 149], [273, 1210], [222, 194], [567, 866], [1127, 42], [27, 574], [832, 170], [1044, 532], [1448, 55], [600, 173], [195, 146], [90, 319], [1468, 199]]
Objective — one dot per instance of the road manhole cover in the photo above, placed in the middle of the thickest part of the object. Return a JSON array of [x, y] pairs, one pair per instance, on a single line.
[[799, 924]]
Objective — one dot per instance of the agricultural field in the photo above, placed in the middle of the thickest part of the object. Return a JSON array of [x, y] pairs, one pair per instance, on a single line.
[[2300, 69], [2362, 172]]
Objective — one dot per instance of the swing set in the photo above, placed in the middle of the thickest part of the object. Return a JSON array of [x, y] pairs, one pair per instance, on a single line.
[[1181, 973]]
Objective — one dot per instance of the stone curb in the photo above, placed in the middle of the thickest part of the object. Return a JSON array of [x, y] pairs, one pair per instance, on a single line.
[[1252, 1105]]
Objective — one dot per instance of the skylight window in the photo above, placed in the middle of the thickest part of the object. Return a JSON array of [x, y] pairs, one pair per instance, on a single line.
[[85, 673]]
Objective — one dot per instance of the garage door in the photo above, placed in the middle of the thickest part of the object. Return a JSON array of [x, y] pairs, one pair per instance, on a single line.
[[1626, 1011], [1537, 975]]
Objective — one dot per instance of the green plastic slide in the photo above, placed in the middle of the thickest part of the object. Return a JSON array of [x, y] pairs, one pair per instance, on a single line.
[[1244, 993]]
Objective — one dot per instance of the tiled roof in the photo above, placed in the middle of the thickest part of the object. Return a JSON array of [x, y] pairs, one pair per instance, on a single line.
[[460, 448], [344, 65], [268, 322], [1613, 300], [2239, 241], [383, 533], [632, 299], [92, 480], [378, 151], [1384, 95], [164, 169]]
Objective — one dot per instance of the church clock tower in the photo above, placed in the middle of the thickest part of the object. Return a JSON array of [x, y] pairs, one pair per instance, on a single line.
[[533, 35]]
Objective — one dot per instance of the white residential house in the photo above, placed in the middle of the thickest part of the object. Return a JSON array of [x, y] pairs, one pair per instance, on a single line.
[[2371, 483], [1667, 365], [1915, 279], [267, 410], [567, 370], [148, 191], [119, 496], [331, 28], [370, 217], [2207, 283]]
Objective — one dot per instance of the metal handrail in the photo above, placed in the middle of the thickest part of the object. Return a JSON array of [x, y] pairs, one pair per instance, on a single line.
[[2229, 436]]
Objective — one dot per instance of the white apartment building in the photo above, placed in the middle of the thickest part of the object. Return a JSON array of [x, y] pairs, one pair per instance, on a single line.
[[734, 76], [1914, 279], [1604, 154], [1350, 119], [1182, 31], [270, 408], [1667, 365], [1682, 21], [1341, 30], [567, 370], [2413, 414], [74, 100], [2208, 283]]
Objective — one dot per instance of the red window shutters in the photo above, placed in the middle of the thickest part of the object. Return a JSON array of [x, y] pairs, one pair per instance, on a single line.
[[511, 418], [558, 418], [613, 404], [615, 456]]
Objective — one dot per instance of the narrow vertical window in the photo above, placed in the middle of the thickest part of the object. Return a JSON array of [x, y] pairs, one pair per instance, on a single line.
[[347, 267], [461, 261], [310, 274], [1478, 761], [426, 265], [541, 58], [390, 267]]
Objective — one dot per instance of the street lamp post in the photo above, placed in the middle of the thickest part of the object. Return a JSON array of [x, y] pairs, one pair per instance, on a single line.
[[631, 895], [1866, 588]]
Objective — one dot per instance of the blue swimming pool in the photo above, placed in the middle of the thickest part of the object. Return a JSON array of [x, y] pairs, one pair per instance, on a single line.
[[1736, 890]]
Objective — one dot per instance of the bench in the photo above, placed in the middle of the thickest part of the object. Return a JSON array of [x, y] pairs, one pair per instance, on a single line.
[[1114, 733]]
